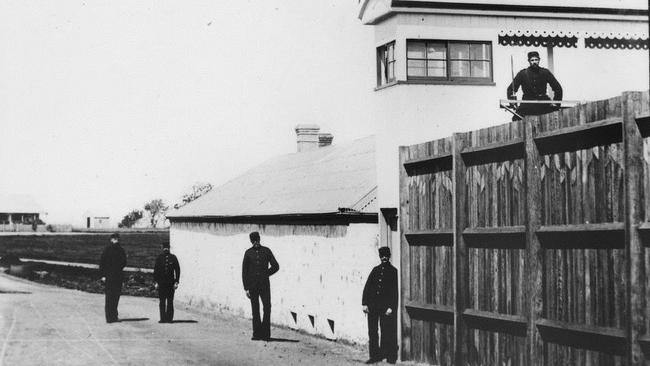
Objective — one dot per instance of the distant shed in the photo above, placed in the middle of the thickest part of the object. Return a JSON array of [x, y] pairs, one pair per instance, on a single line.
[[316, 210]]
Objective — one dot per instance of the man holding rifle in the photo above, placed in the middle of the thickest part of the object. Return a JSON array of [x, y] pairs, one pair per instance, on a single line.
[[533, 81]]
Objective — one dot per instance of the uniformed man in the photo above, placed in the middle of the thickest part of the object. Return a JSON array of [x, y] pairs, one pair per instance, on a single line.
[[166, 274], [379, 302], [111, 264], [259, 263], [533, 81]]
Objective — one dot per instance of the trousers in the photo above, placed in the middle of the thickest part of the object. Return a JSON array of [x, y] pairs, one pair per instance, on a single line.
[[166, 304], [387, 346], [113, 290], [261, 328]]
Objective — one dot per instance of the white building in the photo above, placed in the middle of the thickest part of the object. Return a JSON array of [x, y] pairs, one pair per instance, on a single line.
[[443, 66], [20, 213], [315, 209], [96, 219]]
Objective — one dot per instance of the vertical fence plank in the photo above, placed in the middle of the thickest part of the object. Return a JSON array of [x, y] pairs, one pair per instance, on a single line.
[[535, 255], [633, 150], [405, 268], [460, 249]]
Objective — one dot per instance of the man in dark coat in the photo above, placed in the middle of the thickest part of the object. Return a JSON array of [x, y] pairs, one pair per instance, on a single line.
[[111, 264], [259, 263], [533, 81], [166, 274], [379, 301]]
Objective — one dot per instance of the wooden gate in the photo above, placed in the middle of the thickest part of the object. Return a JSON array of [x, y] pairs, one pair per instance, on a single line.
[[526, 243]]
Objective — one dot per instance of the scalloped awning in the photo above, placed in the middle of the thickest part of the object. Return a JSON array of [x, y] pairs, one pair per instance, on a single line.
[[545, 38]]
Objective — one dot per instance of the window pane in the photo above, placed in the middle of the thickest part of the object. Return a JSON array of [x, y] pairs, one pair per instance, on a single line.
[[479, 51], [416, 50], [391, 71], [459, 51], [460, 68], [391, 52], [437, 68], [480, 69], [416, 68], [436, 51]]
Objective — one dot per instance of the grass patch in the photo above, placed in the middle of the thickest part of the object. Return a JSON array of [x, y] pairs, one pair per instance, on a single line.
[[141, 248], [87, 279]]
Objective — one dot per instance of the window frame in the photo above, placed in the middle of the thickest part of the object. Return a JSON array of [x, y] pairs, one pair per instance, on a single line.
[[380, 58], [448, 79]]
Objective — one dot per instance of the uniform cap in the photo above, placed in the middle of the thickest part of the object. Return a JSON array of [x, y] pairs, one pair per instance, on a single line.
[[384, 251], [532, 54], [165, 244], [115, 236]]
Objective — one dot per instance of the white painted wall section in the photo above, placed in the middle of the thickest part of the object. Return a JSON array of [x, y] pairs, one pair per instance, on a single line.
[[320, 276]]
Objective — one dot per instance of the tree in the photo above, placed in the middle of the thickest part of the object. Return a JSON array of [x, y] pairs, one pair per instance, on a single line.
[[198, 190], [130, 219], [157, 210]]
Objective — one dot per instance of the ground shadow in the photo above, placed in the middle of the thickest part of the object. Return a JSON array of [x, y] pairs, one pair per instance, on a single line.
[[133, 319], [272, 339], [184, 321]]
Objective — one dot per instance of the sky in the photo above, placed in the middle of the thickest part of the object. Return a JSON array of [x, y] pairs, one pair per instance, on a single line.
[[105, 105]]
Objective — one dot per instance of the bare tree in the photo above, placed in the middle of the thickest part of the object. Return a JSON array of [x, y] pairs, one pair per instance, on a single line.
[[157, 210]]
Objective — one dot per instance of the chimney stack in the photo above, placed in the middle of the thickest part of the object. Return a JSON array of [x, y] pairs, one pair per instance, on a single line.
[[307, 137], [325, 139]]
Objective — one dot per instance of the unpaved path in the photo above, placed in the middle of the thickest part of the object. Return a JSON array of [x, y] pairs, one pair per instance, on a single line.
[[44, 325]]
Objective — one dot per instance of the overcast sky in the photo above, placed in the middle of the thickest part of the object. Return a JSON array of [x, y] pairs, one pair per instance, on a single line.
[[107, 104]]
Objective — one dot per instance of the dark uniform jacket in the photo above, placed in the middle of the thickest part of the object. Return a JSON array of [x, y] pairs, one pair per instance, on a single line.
[[533, 83], [380, 291], [166, 271], [111, 263], [255, 267]]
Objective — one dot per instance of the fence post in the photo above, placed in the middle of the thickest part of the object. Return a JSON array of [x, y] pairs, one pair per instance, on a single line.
[[534, 253], [460, 249], [405, 280], [634, 207]]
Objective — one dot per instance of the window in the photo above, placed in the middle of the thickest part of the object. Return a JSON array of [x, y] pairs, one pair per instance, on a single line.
[[454, 61], [386, 63]]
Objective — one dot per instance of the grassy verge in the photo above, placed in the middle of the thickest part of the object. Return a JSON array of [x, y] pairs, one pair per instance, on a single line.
[[141, 248], [86, 279]]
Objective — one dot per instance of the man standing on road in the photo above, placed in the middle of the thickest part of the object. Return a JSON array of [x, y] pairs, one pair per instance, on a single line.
[[379, 302], [533, 81], [255, 275], [166, 274], [111, 264]]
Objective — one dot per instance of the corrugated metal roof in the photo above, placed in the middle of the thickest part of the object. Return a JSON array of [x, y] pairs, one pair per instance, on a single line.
[[19, 203], [327, 180]]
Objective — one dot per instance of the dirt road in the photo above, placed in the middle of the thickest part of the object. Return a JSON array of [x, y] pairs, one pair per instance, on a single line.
[[43, 325]]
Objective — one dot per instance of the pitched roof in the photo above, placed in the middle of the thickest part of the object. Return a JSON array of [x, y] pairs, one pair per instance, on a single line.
[[332, 179], [19, 203]]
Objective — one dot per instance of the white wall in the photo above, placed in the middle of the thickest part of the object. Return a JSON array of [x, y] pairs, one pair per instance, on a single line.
[[407, 114], [322, 272]]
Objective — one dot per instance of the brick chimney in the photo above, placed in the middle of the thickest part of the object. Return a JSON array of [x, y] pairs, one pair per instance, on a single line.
[[307, 136], [325, 139]]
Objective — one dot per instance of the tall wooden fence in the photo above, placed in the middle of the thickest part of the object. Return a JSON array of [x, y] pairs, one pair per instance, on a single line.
[[527, 243]]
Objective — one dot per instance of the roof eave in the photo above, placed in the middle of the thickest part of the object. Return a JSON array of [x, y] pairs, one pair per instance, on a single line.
[[327, 218], [463, 8]]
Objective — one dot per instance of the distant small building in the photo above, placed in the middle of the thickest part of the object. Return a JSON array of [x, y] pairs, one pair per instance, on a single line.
[[97, 219], [20, 213]]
